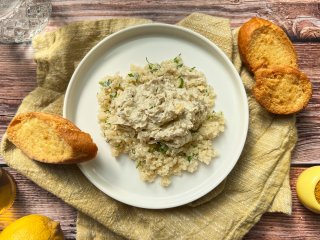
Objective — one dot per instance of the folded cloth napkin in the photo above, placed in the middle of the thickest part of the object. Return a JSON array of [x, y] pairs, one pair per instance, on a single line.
[[258, 183]]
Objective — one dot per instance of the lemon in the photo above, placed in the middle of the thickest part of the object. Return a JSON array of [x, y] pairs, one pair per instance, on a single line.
[[32, 227], [307, 188]]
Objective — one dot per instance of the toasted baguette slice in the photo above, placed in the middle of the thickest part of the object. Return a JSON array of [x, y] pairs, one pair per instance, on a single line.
[[282, 90], [50, 138], [263, 44]]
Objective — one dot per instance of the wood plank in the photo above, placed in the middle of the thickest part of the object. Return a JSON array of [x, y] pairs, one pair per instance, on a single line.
[[308, 121], [17, 71], [17, 79], [32, 199], [303, 224], [301, 20], [157, 10]]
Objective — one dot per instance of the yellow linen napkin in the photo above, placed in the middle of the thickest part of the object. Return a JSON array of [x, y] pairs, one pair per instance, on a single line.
[[258, 183]]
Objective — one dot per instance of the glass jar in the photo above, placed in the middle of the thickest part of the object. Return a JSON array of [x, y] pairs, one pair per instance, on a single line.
[[20, 20], [7, 190]]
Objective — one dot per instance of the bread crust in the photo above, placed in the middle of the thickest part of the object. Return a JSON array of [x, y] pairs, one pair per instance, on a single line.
[[278, 95], [280, 87], [81, 143], [245, 35]]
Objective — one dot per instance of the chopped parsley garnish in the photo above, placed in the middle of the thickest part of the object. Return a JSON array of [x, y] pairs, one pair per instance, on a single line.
[[192, 69], [177, 58], [181, 82], [105, 83], [136, 76], [178, 61], [192, 156], [138, 164], [161, 147], [113, 94], [153, 66], [210, 117]]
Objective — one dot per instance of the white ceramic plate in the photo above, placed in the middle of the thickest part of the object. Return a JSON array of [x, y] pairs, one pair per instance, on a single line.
[[119, 178]]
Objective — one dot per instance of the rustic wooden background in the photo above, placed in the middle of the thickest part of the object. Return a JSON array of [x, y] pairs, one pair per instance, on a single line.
[[301, 21]]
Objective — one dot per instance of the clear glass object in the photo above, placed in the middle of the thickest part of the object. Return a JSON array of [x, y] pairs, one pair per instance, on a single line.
[[20, 20], [7, 190]]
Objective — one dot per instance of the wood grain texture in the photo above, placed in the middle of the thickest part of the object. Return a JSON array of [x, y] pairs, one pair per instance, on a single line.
[[157, 10], [303, 224], [308, 121], [300, 20]]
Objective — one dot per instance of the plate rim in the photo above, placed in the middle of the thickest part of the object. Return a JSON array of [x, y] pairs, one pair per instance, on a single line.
[[231, 67]]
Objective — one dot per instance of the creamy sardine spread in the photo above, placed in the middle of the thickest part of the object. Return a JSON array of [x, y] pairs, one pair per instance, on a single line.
[[160, 112], [162, 116]]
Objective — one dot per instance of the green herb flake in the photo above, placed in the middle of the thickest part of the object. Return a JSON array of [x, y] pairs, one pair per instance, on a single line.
[[161, 147], [136, 76], [181, 84], [193, 68], [189, 158], [177, 58], [153, 66], [178, 61], [105, 83], [138, 164], [113, 94]]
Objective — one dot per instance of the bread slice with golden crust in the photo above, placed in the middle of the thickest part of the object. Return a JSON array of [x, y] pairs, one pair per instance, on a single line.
[[263, 44], [50, 138], [282, 90]]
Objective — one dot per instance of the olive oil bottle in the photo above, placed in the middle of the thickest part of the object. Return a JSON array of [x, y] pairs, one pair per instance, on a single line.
[[7, 190]]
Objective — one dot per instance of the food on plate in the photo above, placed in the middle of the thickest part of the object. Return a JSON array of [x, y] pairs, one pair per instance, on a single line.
[[50, 138], [162, 116], [282, 90], [33, 227], [263, 44], [280, 87]]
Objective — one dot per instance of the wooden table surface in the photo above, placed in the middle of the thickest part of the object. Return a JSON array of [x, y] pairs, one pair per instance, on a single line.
[[300, 19]]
